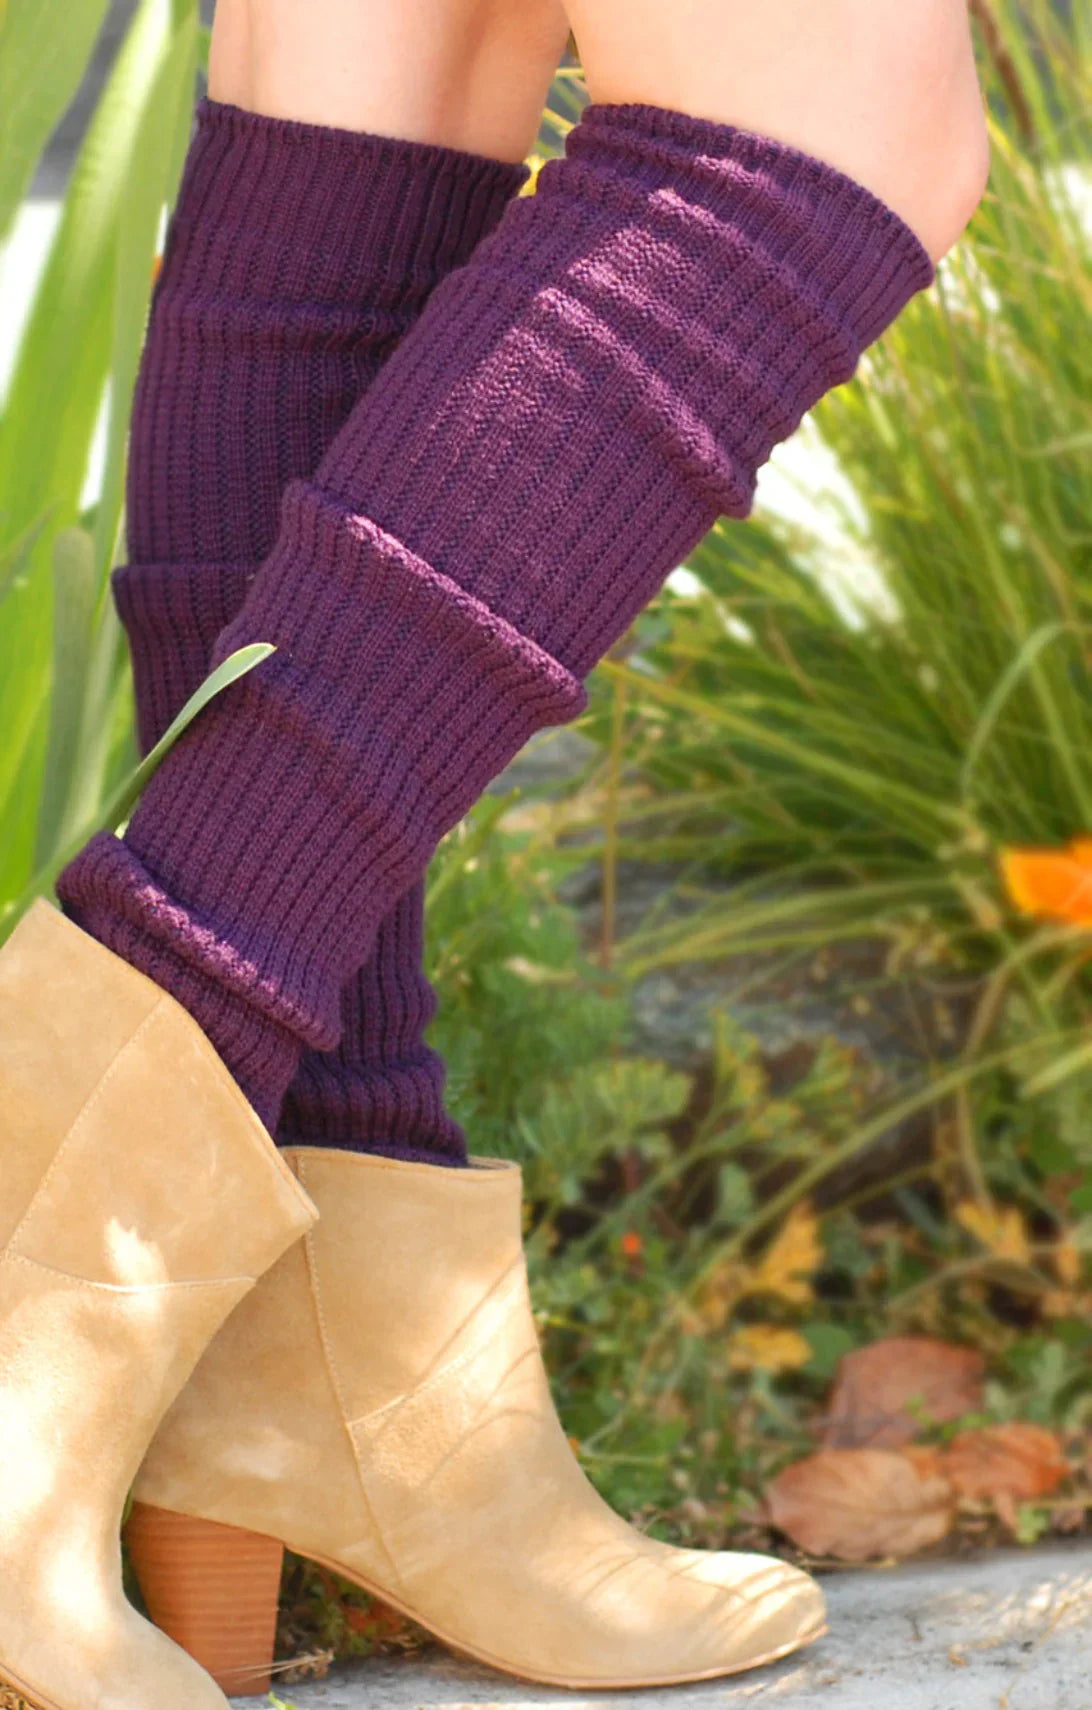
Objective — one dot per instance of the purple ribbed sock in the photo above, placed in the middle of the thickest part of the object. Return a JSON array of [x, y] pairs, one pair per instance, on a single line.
[[298, 257], [570, 414]]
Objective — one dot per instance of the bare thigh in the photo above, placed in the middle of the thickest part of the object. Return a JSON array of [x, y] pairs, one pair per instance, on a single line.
[[469, 74]]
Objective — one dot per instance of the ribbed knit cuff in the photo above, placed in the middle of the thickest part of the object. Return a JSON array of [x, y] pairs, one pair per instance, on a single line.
[[257, 1031], [854, 258], [394, 699], [279, 209], [394, 1109]]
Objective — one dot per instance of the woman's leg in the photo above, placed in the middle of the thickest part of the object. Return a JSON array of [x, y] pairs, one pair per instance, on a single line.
[[570, 414], [336, 236]]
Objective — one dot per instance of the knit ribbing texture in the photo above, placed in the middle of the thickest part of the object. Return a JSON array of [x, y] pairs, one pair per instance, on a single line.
[[296, 258], [569, 416]]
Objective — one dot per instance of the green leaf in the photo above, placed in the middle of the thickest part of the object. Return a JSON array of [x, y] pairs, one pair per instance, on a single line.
[[735, 1194], [828, 1343], [1063, 1068], [235, 666], [44, 49]]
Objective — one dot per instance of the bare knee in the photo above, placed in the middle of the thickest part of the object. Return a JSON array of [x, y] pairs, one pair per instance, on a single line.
[[887, 91]]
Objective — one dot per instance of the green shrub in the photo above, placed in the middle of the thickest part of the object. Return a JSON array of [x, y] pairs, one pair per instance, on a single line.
[[852, 719]]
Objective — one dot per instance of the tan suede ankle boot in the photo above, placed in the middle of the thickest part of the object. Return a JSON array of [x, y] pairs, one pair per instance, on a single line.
[[141, 1199], [379, 1404]]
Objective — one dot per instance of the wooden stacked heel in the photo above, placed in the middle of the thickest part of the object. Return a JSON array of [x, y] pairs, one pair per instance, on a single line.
[[213, 1590]]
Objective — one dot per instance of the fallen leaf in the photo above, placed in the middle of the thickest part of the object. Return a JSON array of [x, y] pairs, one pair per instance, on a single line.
[[858, 1504], [1018, 1461], [884, 1393], [768, 1348], [789, 1263], [1000, 1229], [928, 1458]]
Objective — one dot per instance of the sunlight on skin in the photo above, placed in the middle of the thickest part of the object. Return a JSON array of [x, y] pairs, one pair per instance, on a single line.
[[887, 92], [469, 74]]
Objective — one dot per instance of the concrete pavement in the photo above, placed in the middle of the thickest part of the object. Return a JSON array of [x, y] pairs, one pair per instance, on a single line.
[[1010, 1632]]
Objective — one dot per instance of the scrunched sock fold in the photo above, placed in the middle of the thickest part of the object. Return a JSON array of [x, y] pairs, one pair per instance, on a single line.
[[569, 416]]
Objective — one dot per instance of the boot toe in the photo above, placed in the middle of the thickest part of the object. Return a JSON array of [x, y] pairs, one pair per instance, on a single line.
[[771, 1609]]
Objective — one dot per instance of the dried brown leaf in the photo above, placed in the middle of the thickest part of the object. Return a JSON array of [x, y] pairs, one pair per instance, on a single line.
[[857, 1504], [884, 1393], [928, 1458], [1018, 1461]]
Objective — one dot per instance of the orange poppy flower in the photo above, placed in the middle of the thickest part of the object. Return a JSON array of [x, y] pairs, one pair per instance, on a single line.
[[1052, 884]]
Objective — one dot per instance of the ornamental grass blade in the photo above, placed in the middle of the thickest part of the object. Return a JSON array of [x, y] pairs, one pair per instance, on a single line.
[[121, 803], [52, 408], [44, 49], [1063, 1068], [15, 557], [73, 630], [237, 665], [159, 146]]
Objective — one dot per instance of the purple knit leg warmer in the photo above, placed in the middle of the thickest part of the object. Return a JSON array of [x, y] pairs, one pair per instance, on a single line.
[[298, 257], [570, 414]]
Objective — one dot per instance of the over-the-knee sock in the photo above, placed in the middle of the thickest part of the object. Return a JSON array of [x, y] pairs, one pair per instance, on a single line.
[[298, 256], [568, 417]]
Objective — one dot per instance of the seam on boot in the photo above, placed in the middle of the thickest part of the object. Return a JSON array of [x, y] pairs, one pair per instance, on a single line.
[[9, 1258], [335, 1385], [507, 1284]]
